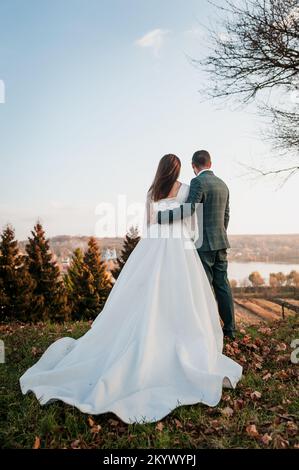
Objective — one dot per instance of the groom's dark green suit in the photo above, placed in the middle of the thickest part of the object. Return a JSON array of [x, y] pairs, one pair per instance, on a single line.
[[210, 190]]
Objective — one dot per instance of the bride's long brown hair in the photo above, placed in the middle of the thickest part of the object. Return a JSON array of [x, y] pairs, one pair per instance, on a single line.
[[167, 173]]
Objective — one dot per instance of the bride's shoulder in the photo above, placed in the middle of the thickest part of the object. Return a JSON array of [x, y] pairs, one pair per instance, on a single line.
[[183, 192], [184, 188], [184, 185]]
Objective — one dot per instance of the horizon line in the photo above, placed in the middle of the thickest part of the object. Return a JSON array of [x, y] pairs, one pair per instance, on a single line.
[[229, 235]]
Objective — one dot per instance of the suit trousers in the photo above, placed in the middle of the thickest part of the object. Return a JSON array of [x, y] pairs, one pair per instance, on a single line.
[[215, 265]]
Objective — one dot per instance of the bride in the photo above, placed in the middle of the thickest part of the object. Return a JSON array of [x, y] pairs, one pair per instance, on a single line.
[[157, 344]]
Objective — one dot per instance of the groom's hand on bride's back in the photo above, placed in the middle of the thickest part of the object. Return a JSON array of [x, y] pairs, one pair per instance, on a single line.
[[165, 217], [179, 213], [186, 209]]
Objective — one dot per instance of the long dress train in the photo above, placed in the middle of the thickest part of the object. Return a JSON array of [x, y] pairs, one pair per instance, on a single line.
[[156, 345]]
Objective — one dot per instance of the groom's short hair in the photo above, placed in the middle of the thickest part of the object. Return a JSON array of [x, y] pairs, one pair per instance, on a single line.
[[201, 158]]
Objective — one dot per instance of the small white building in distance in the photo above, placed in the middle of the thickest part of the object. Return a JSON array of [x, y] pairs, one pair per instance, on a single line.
[[109, 254]]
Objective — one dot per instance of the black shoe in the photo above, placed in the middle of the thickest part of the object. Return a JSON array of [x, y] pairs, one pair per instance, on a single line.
[[230, 336]]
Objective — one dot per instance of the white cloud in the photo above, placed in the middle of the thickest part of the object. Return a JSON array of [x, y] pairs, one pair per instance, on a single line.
[[153, 40]]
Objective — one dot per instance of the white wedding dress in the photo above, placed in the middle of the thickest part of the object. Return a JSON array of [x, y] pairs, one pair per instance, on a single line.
[[156, 345]]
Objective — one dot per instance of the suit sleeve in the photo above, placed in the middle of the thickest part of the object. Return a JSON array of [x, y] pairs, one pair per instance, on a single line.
[[186, 209], [226, 213]]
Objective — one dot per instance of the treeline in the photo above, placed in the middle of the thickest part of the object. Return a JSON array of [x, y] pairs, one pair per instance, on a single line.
[[32, 288], [276, 280]]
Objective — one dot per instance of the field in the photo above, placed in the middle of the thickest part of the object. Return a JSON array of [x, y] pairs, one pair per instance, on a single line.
[[261, 413], [254, 310]]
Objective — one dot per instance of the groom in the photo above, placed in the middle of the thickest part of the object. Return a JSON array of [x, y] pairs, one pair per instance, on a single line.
[[206, 188]]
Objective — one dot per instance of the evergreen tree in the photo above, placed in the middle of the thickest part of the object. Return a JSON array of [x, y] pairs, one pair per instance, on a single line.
[[83, 300], [97, 280], [49, 293], [130, 242], [16, 285]]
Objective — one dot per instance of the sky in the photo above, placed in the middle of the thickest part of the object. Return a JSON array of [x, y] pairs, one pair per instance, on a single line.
[[95, 92]]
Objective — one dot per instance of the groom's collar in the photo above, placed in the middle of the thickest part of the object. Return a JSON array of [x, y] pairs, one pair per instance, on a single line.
[[205, 169]]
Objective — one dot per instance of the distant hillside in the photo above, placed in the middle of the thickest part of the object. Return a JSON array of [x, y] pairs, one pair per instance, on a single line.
[[64, 245], [268, 248]]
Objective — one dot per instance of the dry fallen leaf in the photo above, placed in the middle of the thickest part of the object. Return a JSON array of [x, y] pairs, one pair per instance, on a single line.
[[227, 411], [258, 365], [229, 349], [96, 429], [266, 350], [252, 431], [75, 444], [226, 398], [282, 374], [91, 421], [36, 444], [246, 339], [280, 442], [281, 347], [285, 401], [267, 376], [238, 404], [216, 423], [265, 330], [178, 423], [242, 359], [266, 439], [256, 395], [258, 357], [281, 358]]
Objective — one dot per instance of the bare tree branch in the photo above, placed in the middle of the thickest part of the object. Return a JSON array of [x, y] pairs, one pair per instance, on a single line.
[[255, 49]]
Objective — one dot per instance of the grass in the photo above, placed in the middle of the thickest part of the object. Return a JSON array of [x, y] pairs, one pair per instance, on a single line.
[[261, 413]]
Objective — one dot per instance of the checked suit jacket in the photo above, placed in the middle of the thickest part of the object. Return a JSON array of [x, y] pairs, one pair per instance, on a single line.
[[210, 190]]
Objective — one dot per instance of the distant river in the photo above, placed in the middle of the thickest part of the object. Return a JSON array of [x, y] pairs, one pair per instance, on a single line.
[[239, 271]]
